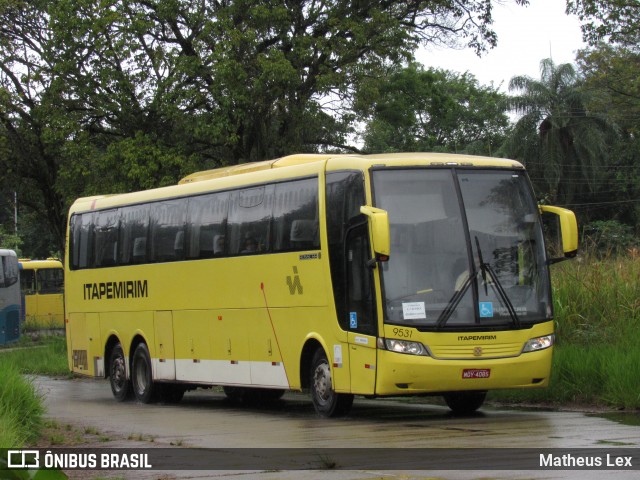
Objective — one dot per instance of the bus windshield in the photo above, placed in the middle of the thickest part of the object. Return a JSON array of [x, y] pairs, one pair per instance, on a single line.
[[466, 249]]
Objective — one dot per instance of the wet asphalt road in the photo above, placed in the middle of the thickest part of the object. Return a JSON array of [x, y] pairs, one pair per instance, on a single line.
[[206, 419]]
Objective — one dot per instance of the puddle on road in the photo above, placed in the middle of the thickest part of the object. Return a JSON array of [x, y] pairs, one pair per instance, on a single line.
[[631, 419]]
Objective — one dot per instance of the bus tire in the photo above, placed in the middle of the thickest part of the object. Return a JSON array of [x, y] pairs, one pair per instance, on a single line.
[[141, 375], [464, 403], [326, 401], [120, 384]]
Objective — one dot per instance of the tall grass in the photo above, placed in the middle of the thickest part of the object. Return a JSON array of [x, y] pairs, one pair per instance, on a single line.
[[598, 301], [21, 408], [597, 355]]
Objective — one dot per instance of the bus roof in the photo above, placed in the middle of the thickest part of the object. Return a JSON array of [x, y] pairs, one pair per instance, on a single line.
[[28, 264], [286, 167]]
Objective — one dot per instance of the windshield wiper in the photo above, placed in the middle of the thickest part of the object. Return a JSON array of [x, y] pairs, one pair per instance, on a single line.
[[453, 303], [487, 268]]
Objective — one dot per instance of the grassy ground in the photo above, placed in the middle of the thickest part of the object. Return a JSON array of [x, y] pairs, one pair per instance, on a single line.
[[20, 405], [597, 357]]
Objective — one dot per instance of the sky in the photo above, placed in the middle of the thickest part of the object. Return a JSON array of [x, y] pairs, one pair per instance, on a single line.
[[526, 35]]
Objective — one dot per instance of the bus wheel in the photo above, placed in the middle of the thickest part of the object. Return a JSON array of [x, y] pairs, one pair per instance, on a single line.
[[120, 384], [464, 403], [326, 401], [141, 377]]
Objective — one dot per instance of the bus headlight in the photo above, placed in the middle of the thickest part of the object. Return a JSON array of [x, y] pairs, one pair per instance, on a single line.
[[405, 346], [539, 343]]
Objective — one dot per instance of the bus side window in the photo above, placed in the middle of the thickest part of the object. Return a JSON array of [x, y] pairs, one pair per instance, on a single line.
[[82, 233], [28, 282], [295, 216], [106, 238], [168, 220], [50, 280], [250, 214], [134, 226], [360, 296], [8, 271], [206, 224]]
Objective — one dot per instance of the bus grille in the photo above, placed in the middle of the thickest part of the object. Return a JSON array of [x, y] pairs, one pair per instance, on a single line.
[[80, 359], [478, 351]]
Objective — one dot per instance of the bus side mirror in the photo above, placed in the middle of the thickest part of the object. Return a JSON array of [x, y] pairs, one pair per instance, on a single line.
[[562, 223], [380, 232]]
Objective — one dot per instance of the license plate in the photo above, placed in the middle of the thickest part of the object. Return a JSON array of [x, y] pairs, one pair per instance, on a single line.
[[476, 373]]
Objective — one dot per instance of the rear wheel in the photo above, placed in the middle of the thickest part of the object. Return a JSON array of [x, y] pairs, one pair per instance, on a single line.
[[464, 403], [120, 384], [141, 375], [326, 401]]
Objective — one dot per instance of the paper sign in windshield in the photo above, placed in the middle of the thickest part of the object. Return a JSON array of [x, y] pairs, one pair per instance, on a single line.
[[414, 311]]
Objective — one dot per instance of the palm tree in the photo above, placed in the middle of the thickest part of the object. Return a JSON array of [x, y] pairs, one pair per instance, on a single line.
[[559, 140]]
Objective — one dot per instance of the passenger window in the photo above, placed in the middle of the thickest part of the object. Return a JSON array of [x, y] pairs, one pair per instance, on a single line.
[[82, 240], [28, 282], [8, 271], [167, 230], [106, 238], [249, 220], [50, 280], [134, 227], [295, 216], [206, 225]]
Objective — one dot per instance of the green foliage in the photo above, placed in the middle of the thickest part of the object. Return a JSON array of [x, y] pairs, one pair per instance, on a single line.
[[561, 142], [101, 97], [607, 237], [413, 109], [20, 408], [612, 75], [615, 20]]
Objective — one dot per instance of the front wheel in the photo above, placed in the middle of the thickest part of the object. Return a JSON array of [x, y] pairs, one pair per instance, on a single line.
[[120, 384], [141, 375], [326, 401], [464, 403]]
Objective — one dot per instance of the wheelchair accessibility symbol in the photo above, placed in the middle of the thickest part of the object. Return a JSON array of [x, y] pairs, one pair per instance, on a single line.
[[486, 309]]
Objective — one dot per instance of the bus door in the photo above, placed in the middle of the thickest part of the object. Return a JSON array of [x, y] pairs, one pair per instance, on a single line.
[[362, 324]]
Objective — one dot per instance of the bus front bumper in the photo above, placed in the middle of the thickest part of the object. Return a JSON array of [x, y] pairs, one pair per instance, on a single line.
[[401, 374]]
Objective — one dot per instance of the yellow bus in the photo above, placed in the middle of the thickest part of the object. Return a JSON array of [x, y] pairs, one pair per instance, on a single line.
[[9, 297], [378, 275], [42, 289]]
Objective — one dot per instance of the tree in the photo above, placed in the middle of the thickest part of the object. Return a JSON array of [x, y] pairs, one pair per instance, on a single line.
[[558, 138], [617, 21], [120, 95], [425, 110], [612, 76]]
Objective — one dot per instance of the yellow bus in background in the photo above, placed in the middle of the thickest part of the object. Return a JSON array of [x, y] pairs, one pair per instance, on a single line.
[[42, 289], [375, 275]]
